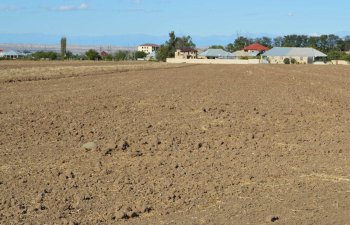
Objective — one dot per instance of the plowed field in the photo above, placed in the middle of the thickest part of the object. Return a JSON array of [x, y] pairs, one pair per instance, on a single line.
[[174, 144]]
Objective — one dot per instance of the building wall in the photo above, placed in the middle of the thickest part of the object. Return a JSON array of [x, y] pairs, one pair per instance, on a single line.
[[212, 61], [147, 49], [2, 55], [340, 62], [280, 59], [185, 55]]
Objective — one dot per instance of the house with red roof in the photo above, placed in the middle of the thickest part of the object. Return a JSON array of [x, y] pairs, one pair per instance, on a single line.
[[256, 47], [251, 51], [104, 54]]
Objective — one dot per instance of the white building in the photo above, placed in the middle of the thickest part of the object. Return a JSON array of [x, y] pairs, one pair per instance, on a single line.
[[277, 55], [10, 55], [148, 48]]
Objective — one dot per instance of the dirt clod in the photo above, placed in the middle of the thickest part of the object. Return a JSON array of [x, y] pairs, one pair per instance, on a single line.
[[90, 146]]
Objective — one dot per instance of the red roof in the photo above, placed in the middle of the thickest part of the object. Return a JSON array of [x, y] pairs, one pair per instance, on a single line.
[[256, 47], [104, 54]]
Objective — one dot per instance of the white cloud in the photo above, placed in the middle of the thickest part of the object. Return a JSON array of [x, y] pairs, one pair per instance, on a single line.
[[9, 8], [82, 6], [290, 14]]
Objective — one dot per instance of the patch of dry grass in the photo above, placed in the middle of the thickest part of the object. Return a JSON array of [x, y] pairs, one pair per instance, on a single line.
[[15, 72]]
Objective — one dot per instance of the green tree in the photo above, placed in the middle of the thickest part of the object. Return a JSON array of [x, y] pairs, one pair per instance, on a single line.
[[230, 47], [70, 55], [92, 55], [140, 55], [63, 48], [266, 41], [337, 55], [162, 53], [346, 43], [168, 49], [314, 42], [171, 44], [241, 42], [278, 41], [121, 55], [184, 42], [45, 55]]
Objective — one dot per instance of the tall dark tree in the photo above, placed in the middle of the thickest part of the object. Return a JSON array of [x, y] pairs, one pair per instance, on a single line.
[[278, 41], [184, 42], [346, 43], [241, 42], [63, 47], [162, 52], [168, 49], [230, 47], [266, 41], [314, 42], [92, 54], [171, 43]]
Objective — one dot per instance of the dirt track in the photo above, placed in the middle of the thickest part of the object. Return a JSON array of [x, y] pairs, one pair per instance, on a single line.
[[206, 144]]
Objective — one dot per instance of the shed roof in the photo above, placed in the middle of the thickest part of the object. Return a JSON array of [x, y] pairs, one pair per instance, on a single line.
[[296, 52], [216, 53], [245, 54], [256, 47]]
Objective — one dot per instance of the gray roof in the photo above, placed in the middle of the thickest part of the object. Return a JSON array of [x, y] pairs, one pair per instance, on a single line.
[[216, 53], [294, 52], [245, 54]]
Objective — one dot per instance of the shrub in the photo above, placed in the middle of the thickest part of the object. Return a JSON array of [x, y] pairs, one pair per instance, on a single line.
[[293, 61], [92, 55], [286, 61], [140, 55], [121, 55], [45, 55]]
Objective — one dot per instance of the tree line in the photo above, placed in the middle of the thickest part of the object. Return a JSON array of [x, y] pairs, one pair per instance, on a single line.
[[91, 54], [334, 46], [324, 43]]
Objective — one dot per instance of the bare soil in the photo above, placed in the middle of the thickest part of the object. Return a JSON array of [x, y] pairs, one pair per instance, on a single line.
[[199, 144]]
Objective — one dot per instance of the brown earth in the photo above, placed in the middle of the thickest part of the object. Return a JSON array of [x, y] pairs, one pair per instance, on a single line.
[[200, 144]]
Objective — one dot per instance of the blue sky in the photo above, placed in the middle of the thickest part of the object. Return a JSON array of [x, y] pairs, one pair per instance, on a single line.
[[199, 18]]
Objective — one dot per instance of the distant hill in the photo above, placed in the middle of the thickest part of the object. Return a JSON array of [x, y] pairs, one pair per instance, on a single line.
[[76, 49]]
